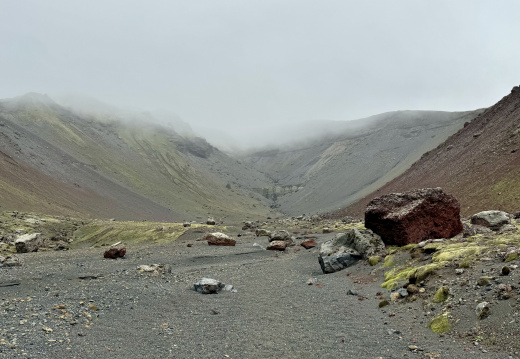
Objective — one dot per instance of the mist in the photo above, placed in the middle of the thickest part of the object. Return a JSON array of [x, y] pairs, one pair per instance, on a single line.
[[243, 73]]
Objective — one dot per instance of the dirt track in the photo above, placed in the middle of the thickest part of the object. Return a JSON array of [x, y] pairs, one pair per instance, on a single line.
[[273, 314]]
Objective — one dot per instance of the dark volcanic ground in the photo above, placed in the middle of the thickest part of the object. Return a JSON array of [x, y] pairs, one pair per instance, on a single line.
[[76, 304]]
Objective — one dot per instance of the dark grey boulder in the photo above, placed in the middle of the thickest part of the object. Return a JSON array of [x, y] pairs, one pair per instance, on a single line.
[[493, 220]]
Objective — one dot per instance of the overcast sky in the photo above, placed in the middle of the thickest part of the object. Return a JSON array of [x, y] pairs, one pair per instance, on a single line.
[[231, 63]]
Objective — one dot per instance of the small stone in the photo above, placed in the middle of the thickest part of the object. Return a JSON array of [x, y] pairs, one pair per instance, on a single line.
[[208, 286], [505, 270], [312, 281], [483, 281], [351, 292], [309, 243], [383, 303], [93, 307], [459, 271], [394, 296], [412, 289], [482, 310], [402, 292]]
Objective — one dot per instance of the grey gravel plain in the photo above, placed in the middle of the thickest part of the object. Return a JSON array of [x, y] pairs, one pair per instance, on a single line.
[[76, 304]]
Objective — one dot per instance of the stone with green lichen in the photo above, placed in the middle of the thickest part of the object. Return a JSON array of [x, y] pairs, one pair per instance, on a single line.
[[383, 303], [441, 295], [440, 324], [483, 281], [511, 257], [505, 270], [374, 260]]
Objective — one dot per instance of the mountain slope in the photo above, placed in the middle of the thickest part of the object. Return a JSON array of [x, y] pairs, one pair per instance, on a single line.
[[334, 171], [479, 165], [146, 171]]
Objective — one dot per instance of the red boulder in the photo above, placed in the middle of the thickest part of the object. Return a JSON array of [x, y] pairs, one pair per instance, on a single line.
[[116, 251], [411, 217]]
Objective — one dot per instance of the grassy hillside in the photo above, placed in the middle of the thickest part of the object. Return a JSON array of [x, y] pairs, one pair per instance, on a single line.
[[145, 171]]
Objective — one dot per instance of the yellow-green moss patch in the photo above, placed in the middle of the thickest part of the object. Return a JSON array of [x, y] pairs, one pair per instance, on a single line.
[[440, 324], [441, 294], [374, 260]]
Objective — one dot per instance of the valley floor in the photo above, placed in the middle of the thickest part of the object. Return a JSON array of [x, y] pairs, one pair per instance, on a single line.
[[76, 304]]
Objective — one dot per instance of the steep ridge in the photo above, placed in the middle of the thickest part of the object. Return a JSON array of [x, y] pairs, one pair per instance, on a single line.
[[146, 171], [479, 165], [336, 170]]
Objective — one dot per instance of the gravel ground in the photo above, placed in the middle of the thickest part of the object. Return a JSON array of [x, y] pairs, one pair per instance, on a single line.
[[76, 304]]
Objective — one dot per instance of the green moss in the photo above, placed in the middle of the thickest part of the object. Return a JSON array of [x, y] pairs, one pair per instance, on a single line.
[[422, 272], [440, 324], [396, 275], [441, 295], [392, 249], [432, 247], [511, 257], [108, 232], [374, 260], [409, 246], [383, 303], [456, 251], [389, 261]]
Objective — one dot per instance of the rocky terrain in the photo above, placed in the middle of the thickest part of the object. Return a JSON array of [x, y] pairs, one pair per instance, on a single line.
[[122, 241], [58, 303]]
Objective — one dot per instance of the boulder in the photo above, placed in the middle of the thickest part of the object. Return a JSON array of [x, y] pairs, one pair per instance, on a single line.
[[277, 246], [279, 236], [208, 286], [364, 241], [28, 242], [282, 236], [211, 221], [260, 232], [117, 250], [219, 239], [411, 217], [248, 225], [335, 261], [309, 243], [493, 220]]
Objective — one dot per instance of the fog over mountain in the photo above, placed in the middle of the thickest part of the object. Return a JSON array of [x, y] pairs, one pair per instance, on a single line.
[[241, 72]]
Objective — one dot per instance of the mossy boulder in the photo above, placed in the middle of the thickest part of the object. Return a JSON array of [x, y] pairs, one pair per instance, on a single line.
[[441, 294], [374, 260], [440, 324], [389, 261]]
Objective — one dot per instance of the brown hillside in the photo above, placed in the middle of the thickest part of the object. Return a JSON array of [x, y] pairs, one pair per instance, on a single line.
[[479, 165]]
